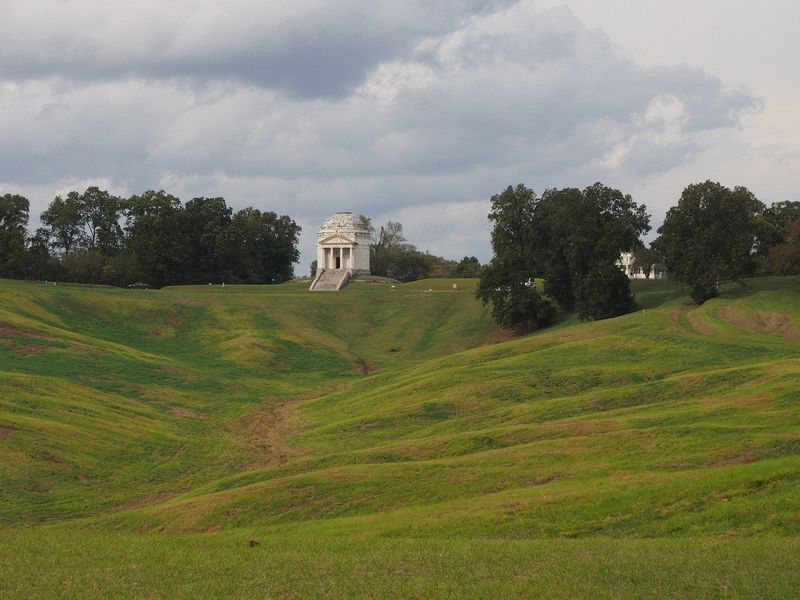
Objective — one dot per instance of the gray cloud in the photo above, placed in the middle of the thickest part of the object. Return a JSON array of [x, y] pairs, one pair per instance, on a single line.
[[391, 109], [312, 48]]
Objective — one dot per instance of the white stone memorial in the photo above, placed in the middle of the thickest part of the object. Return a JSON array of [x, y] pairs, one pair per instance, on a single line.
[[342, 251]]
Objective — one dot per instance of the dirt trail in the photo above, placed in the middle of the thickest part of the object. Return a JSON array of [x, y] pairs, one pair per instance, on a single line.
[[267, 430]]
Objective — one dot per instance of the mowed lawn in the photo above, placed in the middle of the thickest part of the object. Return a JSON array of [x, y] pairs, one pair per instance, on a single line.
[[391, 441]]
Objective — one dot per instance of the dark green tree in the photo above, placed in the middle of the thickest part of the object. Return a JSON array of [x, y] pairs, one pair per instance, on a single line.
[[101, 214], [39, 263], [647, 259], [266, 246], [710, 237], [577, 237], [64, 219], [468, 267], [154, 237], [208, 255], [507, 281], [603, 292], [14, 211]]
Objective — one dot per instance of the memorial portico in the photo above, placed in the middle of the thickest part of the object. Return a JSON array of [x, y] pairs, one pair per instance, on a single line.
[[343, 244]]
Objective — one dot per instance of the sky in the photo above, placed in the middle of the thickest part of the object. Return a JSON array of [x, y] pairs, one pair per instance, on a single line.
[[411, 111]]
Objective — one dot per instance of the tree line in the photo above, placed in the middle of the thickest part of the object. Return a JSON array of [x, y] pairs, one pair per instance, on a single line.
[[96, 237], [570, 240]]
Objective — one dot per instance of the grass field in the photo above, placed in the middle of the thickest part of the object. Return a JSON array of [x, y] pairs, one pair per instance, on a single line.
[[391, 441]]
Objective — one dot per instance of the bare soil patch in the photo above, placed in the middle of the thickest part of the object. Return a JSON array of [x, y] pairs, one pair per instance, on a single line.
[[186, 413], [9, 330], [6, 430], [761, 322], [778, 323], [266, 431], [15, 338]]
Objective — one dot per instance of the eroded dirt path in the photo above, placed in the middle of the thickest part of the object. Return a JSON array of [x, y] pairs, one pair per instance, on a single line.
[[267, 430]]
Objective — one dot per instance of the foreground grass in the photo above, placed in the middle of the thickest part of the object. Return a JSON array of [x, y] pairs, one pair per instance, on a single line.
[[50, 563]]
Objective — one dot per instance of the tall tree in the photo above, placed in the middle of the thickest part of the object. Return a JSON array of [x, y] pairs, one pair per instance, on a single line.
[[709, 237], [647, 259], [573, 238], [391, 236], [14, 211], [39, 263], [577, 238], [100, 214], [507, 281], [205, 224], [266, 246], [64, 219], [154, 236]]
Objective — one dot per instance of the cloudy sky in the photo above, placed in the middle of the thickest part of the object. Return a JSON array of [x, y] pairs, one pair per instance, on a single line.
[[404, 110]]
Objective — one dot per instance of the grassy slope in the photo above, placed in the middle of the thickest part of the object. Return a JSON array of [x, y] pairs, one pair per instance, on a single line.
[[113, 397], [364, 416]]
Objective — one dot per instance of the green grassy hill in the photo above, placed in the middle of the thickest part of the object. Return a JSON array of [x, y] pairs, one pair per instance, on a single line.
[[392, 441]]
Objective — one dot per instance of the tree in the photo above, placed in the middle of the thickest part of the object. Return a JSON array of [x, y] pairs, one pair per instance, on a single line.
[[468, 267], [266, 246], [709, 237], [154, 236], [647, 259], [84, 266], [573, 239], [603, 292], [391, 236], [39, 263], [208, 255], [100, 214], [366, 222], [64, 219], [781, 214], [506, 281], [577, 237], [14, 211], [392, 256], [784, 258]]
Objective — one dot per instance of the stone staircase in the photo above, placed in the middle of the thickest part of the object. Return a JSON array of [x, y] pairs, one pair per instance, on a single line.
[[331, 280]]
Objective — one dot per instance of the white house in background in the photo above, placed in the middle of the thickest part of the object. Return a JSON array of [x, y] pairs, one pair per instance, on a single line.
[[342, 251], [626, 264]]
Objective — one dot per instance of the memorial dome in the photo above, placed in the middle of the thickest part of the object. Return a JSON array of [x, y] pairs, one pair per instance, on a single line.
[[342, 222]]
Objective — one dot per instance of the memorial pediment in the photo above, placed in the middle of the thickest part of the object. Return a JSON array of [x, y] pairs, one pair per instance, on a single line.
[[336, 239]]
